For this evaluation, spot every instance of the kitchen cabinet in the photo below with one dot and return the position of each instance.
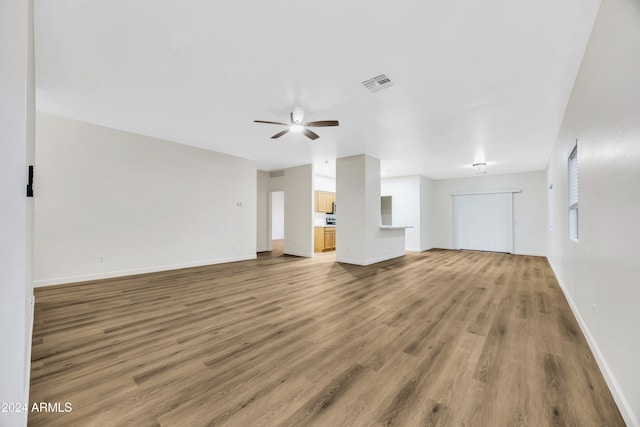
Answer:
(330, 239)
(324, 239)
(324, 201)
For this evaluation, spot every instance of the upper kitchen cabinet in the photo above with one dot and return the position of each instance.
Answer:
(324, 201)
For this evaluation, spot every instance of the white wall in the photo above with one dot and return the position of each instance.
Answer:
(411, 198)
(350, 196)
(16, 211)
(277, 215)
(298, 211)
(529, 208)
(427, 188)
(359, 239)
(297, 184)
(262, 229)
(141, 203)
(603, 267)
(324, 183)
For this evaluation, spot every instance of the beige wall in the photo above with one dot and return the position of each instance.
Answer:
(113, 203)
(529, 208)
(601, 272)
(298, 211)
(359, 239)
(262, 217)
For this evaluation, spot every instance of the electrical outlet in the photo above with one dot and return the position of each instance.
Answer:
(594, 307)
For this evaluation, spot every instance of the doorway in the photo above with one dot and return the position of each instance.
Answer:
(483, 222)
(277, 221)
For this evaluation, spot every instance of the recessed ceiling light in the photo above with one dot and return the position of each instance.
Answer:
(480, 168)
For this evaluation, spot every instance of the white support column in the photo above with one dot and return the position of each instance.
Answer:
(298, 211)
(359, 238)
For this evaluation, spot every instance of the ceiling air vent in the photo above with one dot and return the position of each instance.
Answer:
(378, 83)
(275, 174)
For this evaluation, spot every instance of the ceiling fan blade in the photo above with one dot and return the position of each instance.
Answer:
(309, 134)
(322, 123)
(279, 134)
(271, 123)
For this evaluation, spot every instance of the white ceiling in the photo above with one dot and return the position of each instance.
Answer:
(473, 81)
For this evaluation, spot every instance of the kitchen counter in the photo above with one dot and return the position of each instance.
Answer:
(395, 227)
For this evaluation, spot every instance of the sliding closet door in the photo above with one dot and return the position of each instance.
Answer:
(483, 222)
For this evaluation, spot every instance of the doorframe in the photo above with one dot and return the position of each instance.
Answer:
(454, 241)
(270, 218)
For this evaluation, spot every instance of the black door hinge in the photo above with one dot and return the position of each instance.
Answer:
(30, 182)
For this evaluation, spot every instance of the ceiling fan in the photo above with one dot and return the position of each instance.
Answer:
(296, 125)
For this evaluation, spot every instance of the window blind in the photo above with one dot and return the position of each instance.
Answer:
(483, 222)
(573, 178)
(573, 194)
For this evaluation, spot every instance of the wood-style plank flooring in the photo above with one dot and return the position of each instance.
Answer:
(439, 338)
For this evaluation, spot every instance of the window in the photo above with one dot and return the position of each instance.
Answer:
(573, 193)
(550, 207)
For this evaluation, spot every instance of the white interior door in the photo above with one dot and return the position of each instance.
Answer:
(483, 222)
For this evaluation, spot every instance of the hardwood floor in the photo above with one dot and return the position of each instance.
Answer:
(277, 247)
(432, 339)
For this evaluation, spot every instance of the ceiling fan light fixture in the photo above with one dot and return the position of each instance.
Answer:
(297, 115)
(296, 125)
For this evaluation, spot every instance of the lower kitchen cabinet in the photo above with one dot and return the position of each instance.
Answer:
(324, 239)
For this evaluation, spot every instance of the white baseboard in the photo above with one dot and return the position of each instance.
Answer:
(623, 405)
(32, 303)
(300, 254)
(419, 250)
(514, 252)
(120, 273)
(369, 261)
(530, 254)
(350, 261)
